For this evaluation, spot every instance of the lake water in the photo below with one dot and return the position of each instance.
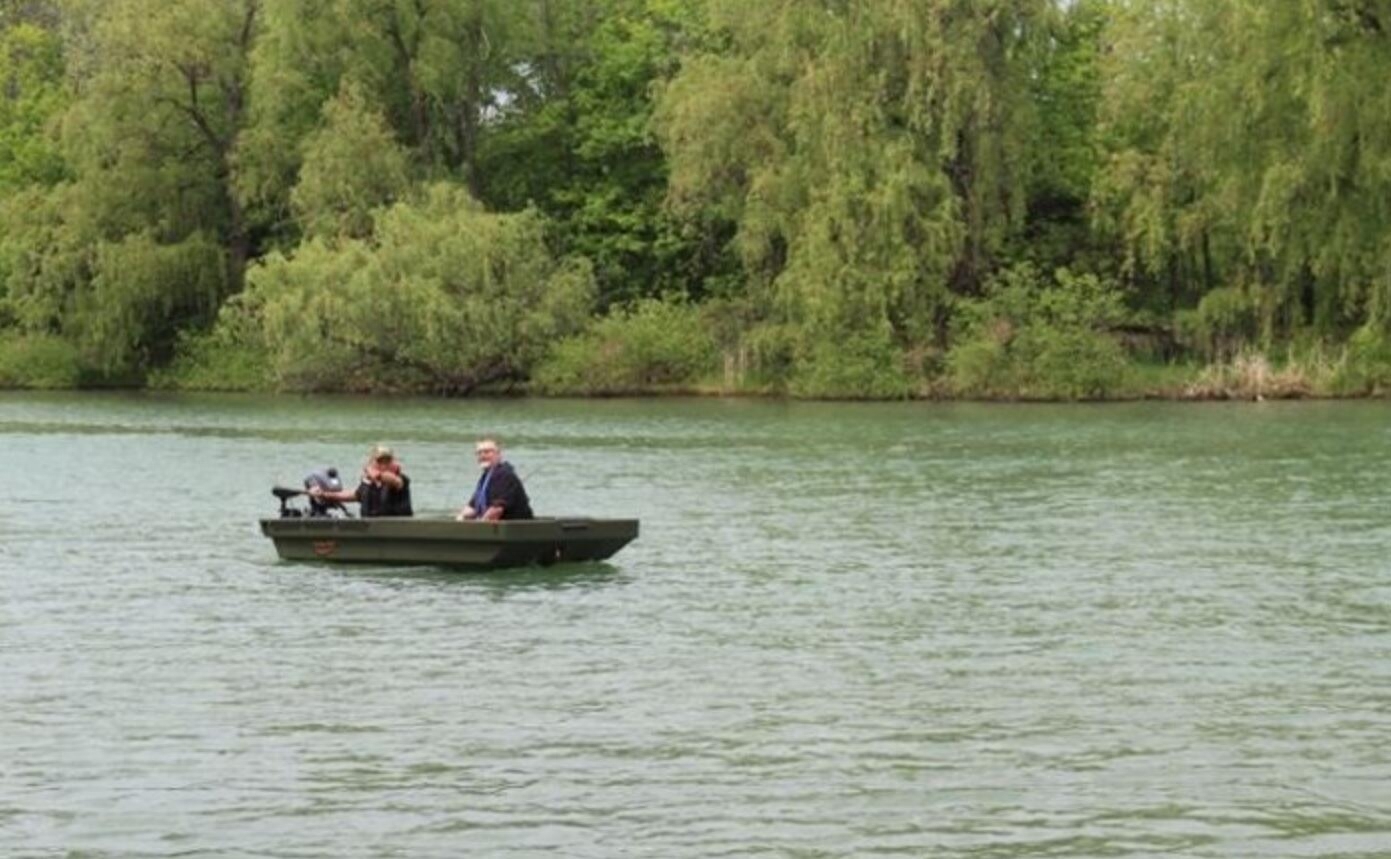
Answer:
(846, 630)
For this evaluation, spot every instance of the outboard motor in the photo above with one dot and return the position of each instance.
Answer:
(328, 481)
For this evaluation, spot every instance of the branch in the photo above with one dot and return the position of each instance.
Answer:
(444, 383)
(192, 110)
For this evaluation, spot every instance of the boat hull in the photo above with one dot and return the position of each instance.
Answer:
(445, 542)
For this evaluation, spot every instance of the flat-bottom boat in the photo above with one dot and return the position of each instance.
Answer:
(445, 542)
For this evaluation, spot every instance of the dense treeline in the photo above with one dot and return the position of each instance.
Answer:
(877, 198)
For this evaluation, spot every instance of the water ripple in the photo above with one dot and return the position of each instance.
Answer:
(880, 630)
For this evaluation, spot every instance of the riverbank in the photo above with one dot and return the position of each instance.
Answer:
(1250, 377)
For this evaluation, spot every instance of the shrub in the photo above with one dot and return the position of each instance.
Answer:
(1034, 338)
(1253, 375)
(39, 361)
(443, 297)
(1224, 321)
(863, 365)
(651, 344)
(1366, 367)
(230, 357)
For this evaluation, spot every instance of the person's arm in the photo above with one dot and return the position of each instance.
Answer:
(331, 495)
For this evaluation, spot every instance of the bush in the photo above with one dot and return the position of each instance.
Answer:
(652, 344)
(231, 357)
(39, 361)
(1366, 366)
(1031, 338)
(1225, 321)
(442, 298)
(855, 366)
(1251, 375)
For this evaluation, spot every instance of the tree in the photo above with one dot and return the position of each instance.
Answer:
(1248, 159)
(31, 95)
(352, 165)
(576, 141)
(872, 154)
(442, 297)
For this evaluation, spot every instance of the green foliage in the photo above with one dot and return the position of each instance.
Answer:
(141, 294)
(1066, 92)
(151, 135)
(1225, 321)
(121, 300)
(1245, 146)
(47, 249)
(830, 189)
(143, 240)
(351, 166)
(1366, 368)
(872, 155)
(444, 297)
(653, 344)
(1028, 337)
(434, 69)
(860, 365)
(576, 142)
(31, 95)
(230, 357)
(39, 361)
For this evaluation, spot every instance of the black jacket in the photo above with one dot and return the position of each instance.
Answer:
(377, 499)
(505, 490)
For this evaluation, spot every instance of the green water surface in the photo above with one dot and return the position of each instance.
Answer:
(846, 630)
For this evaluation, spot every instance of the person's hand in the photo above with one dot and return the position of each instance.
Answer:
(492, 514)
(467, 513)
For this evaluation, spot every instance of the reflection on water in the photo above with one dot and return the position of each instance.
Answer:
(555, 577)
(882, 629)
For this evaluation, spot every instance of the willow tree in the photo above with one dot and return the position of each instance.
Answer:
(145, 237)
(434, 69)
(352, 165)
(440, 297)
(31, 95)
(157, 122)
(873, 157)
(1249, 160)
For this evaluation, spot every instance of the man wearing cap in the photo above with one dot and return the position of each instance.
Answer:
(383, 491)
(499, 493)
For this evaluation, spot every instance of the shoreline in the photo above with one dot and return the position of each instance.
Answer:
(701, 392)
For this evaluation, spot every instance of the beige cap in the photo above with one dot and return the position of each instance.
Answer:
(380, 451)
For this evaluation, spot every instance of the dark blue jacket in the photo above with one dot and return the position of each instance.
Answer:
(504, 490)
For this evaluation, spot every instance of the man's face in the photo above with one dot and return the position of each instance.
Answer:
(487, 454)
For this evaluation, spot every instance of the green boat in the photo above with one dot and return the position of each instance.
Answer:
(445, 542)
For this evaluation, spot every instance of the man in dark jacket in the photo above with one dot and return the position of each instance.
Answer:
(383, 491)
(499, 493)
